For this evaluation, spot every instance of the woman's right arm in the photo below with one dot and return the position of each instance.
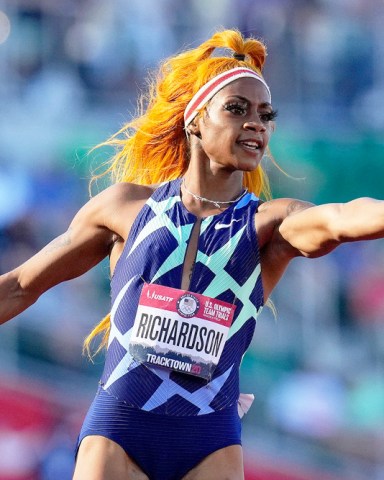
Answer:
(87, 241)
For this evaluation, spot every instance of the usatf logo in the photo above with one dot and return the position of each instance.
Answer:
(187, 305)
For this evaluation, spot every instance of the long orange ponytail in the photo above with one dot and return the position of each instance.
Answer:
(153, 147)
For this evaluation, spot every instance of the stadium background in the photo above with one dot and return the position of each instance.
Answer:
(70, 75)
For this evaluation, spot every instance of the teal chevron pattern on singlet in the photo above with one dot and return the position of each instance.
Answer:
(226, 266)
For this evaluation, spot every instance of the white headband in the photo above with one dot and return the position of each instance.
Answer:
(207, 91)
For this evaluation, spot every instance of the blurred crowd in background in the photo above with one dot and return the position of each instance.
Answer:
(71, 73)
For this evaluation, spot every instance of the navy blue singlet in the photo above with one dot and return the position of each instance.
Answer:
(188, 417)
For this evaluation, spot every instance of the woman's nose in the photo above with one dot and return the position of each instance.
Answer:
(255, 124)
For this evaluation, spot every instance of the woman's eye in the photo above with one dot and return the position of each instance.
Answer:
(236, 108)
(268, 116)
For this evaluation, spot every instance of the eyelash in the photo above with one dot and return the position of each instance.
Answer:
(236, 108)
(270, 116)
(241, 109)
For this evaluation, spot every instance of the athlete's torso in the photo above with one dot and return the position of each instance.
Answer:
(227, 267)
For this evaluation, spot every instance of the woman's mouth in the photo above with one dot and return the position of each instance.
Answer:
(251, 145)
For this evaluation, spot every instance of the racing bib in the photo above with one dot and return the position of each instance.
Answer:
(180, 330)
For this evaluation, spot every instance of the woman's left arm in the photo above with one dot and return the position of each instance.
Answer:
(317, 230)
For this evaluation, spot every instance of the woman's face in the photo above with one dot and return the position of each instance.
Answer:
(235, 129)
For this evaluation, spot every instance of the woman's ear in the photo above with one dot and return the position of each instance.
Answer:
(193, 129)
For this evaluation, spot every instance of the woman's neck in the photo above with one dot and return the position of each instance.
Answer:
(207, 193)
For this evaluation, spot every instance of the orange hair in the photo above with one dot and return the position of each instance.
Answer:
(153, 147)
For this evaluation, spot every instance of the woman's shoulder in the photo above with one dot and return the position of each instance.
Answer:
(125, 191)
(120, 199)
(116, 206)
(120, 195)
